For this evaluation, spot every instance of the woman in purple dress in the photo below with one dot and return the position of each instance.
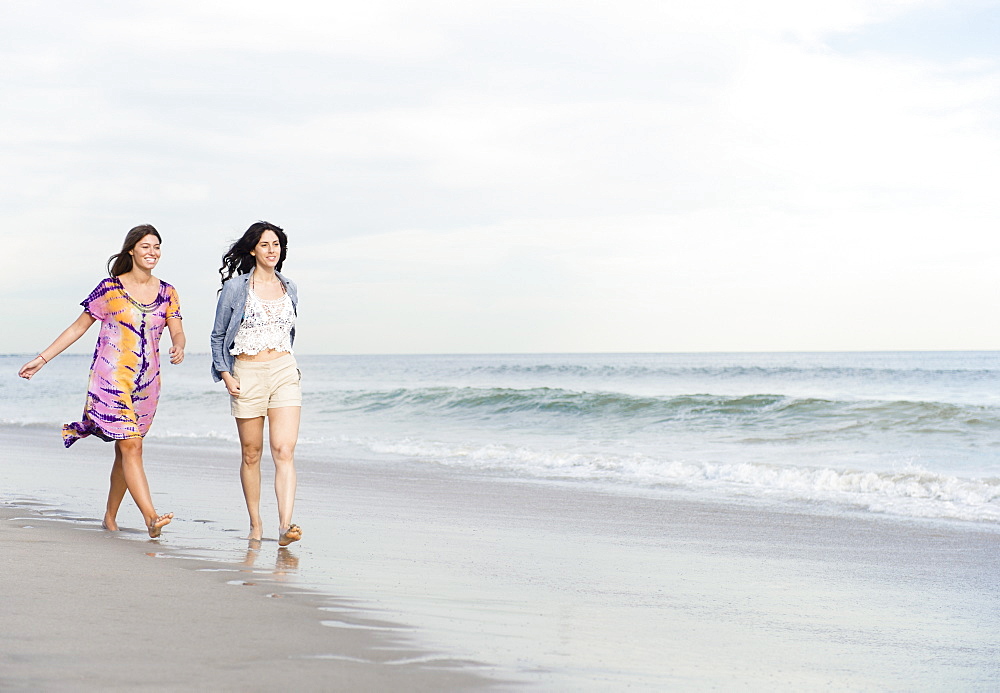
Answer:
(133, 307)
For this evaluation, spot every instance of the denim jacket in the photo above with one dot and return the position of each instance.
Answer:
(229, 317)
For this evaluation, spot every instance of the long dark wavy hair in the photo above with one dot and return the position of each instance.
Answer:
(121, 262)
(239, 260)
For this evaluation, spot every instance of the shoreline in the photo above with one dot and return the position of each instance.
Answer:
(519, 584)
(86, 609)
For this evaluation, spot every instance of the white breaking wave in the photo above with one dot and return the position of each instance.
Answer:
(207, 435)
(913, 434)
(912, 493)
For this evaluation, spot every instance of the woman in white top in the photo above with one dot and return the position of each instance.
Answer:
(252, 353)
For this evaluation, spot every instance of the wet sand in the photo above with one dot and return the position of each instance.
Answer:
(86, 611)
(475, 581)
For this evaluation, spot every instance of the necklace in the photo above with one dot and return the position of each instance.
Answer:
(142, 307)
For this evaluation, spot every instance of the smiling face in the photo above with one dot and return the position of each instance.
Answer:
(146, 253)
(267, 252)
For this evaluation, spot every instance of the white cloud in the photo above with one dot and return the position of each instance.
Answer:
(518, 176)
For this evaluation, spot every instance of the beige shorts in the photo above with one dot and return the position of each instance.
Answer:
(266, 385)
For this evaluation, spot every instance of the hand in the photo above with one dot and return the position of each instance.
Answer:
(232, 384)
(176, 354)
(31, 367)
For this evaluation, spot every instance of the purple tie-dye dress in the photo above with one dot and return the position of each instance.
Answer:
(125, 375)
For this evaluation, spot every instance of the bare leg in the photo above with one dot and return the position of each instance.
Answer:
(116, 493)
(252, 445)
(138, 487)
(284, 434)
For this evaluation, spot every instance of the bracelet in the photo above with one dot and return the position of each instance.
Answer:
(44, 360)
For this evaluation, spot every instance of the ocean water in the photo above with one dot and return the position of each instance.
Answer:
(913, 435)
(527, 514)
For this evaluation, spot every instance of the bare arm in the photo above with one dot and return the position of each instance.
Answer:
(61, 343)
(177, 340)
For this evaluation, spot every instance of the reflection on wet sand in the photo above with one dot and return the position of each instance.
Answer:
(284, 563)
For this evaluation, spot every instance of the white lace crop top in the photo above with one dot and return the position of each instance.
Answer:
(266, 325)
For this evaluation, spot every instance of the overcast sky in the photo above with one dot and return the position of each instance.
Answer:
(543, 176)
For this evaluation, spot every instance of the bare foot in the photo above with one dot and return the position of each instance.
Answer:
(109, 523)
(158, 523)
(256, 534)
(286, 537)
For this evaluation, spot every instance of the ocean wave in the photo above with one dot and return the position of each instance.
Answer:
(31, 425)
(631, 371)
(206, 436)
(912, 492)
(155, 433)
(744, 411)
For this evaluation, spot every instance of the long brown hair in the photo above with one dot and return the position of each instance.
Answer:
(121, 262)
(239, 260)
